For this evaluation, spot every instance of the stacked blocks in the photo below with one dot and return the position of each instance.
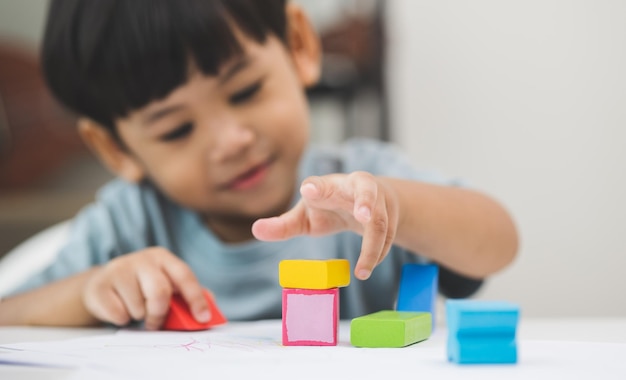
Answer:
(390, 329)
(481, 332)
(311, 300)
(418, 288)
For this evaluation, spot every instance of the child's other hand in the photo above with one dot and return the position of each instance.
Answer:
(358, 201)
(139, 286)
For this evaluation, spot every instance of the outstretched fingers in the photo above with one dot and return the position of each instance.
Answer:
(375, 241)
(290, 224)
(371, 210)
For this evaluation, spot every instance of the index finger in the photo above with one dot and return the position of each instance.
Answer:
(285, 226)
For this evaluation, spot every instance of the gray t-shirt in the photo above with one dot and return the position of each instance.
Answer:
(243, 276)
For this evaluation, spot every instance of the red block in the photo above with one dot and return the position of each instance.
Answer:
(180, 317)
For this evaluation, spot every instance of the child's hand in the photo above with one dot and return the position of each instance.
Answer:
(139, 286)
(358, 201)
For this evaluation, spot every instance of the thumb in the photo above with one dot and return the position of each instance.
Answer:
(290, 224)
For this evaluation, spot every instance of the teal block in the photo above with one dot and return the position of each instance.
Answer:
(390, 328)
(482, 332)
(483, 351)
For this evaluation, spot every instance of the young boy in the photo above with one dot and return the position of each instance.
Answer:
(199, 107)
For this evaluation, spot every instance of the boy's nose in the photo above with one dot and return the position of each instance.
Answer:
(232, 141)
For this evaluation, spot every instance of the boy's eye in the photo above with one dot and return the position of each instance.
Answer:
(245, 94)
(177, 133)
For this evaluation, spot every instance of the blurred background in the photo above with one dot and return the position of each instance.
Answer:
(525, 100)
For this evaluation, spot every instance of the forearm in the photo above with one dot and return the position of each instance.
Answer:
(461, 229)
(57, 304)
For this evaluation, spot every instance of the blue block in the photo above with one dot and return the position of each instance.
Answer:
(482, 332)
(418, 288)
(482, 351)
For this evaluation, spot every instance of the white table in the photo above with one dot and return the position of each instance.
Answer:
(592, 342)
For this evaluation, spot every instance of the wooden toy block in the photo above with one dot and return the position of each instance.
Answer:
(482, 350)
(314, 274)
(310, 317)
(390, 328)
(180, 318)
(482, 332)
(418, 288)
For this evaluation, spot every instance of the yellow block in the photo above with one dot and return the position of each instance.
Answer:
(314, 274)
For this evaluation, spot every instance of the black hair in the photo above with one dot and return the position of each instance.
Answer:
(105, 58)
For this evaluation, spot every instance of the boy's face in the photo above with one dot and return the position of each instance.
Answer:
(227, 146)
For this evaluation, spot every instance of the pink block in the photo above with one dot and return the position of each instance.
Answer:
(310, 317)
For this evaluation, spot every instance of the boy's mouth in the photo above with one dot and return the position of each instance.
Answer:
(250, 178)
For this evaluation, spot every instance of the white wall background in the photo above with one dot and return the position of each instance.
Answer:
(526, 100)
(22, 21)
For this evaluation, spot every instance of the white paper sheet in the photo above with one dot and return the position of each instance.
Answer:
(253, 350)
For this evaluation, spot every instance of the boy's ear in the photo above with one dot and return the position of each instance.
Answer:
(304, 45)
(109, 151)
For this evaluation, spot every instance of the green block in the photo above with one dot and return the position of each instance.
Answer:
(389, 328)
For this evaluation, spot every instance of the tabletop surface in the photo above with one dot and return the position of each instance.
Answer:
(576, 348)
